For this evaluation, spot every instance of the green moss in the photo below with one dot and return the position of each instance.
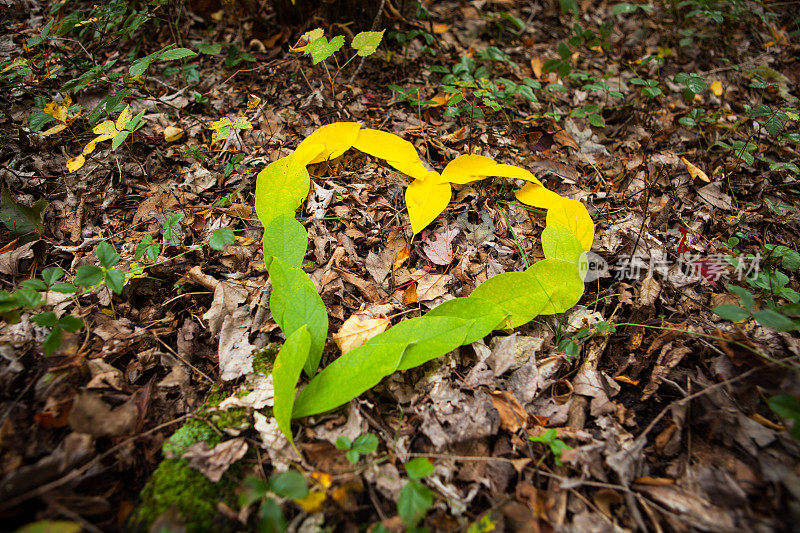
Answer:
(235, 418)
(264, 359)
(193, 431)
(175, 485)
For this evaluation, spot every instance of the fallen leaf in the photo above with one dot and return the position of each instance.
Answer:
(172, 133)
(512, 414)
(90, 414)
(438, 248)
(213, 462)
(356, 331)
(716, 88)
(695, 172)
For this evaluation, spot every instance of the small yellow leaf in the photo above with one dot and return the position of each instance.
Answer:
(538, 196)
(336, 138)
(716, 88)
(356, 331)
(253, 102)
(172, 133)
(573, 215)
(90, 146)
(426, 199)
(324, 479)
(397, 151)
(55, 129)
(75, 163)
(123, 118)
(105, 128)
(313, 502)
(695, 172)
(57, 111)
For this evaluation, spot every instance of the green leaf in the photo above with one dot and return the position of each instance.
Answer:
(176, 53)
(271, 518)
(281, 189)
(53, 341)
(366, 42)
(286, 239)
(25, 222)
(731, 312)
(221, 239)
(70, 323)
(119, 138)
(745, 297)
(290, 484)
(52, 274)
(147, 248)
(351, 374)
(366, 443)
(418, 468)
(596, 120)
(46, 319)
(430, 337)
(35, 284)
(787, 406)
(294, 302)
(773, 319)
(139, 66)
(353, 456)
(51, 526)
(209, 49)
(414, 502)
(321, 49)
(343, 443)
(253, 489)
(27, 298)
(115, 280)
(64, 288)
(107, 255)
(38, 120)
(484, 316)
(168, 230)
(285, 373)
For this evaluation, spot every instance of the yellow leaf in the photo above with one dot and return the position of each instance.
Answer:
(172, 133)
(90, 146)
(324, 479)
(471, 167)
(426, 199)
(397, 151)
(57, 111)
(356, 331)
(537, 195)
(313, 502)
(123, 118)
(574, 216)
(695, 172)
(105, 128)
(253, 102)
(75, 163)
(716, 88)
(55, 129)
(335, 138)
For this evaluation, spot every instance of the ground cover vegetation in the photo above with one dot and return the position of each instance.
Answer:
(437, 266)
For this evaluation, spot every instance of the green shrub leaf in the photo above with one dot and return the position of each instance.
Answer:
(288, 365)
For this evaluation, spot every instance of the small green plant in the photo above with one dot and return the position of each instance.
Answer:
(315, 44)
(556, 445)
(694, 84)
(235, 164)
(290, 485)
(788, 407)
(362, 445)
(415, 498)
(570, 346)
(650, 87)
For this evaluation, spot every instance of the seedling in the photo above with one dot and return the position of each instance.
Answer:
(362, 445)
(557, 446)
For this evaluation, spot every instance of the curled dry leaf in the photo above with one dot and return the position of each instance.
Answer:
(695, 172)
(356, 331)
(172, 133)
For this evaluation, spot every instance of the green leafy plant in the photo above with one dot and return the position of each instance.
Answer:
(650, 87)
(415, 498)
(570, 345)
(362, 445)
(290, 485)
(315, 44)
(694, 84)
(556, 445)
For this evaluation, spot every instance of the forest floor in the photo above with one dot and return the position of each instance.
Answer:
(640, 409)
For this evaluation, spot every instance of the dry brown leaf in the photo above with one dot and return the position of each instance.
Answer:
(356, 331)
(512, 414)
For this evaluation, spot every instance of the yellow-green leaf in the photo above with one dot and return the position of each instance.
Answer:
(55, 129)
(75, 163)
(426, 199)
(573, 215)
(123, 118)
(105, 128)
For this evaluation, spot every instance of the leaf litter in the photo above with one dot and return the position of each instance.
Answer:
(668, 429)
